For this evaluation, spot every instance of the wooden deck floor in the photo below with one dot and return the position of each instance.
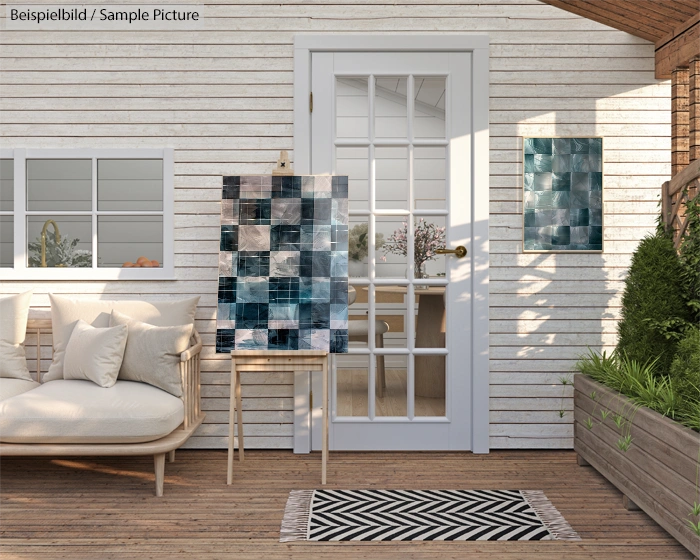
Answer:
(101, 508)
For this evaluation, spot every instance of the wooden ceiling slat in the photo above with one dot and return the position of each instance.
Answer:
(649, 19)
(607, 16)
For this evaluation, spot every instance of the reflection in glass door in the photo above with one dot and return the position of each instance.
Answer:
(389, 132)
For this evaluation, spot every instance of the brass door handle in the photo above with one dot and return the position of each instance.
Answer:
(459, 252)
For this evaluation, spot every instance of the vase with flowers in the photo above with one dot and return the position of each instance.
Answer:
(427, 239)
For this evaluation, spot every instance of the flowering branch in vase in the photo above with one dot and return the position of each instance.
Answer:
(427, 239)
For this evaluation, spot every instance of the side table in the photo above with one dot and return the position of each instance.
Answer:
(273, 360)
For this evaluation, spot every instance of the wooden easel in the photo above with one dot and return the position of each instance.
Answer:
(284, 166)
(273, 360)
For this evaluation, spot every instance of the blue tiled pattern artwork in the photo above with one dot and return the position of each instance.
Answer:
(563, 194)
(283, 264)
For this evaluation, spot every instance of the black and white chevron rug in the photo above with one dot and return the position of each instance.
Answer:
(422, 515)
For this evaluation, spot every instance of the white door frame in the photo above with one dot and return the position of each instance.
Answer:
(478, 46)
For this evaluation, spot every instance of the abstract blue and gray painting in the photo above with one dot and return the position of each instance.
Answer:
(563, 196)
(283, 264)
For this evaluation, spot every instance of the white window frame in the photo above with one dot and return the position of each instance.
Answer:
(21, 271)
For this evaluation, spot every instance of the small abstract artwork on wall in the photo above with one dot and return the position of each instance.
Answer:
(563, 194)
(283, 264)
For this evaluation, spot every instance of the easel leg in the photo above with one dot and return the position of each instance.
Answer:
(324, 451)
(239, 414)
(232, 407)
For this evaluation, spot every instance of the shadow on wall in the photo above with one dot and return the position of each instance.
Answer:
(547, 309)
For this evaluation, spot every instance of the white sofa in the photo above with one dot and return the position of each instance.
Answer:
(78, 417)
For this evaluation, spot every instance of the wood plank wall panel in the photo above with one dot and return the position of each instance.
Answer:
(222, 97)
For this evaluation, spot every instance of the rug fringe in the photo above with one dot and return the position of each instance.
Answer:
(550, 516)
(295, 523)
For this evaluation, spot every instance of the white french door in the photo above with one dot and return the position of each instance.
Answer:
(401, 126)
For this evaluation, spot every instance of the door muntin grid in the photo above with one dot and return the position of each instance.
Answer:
(371, 103)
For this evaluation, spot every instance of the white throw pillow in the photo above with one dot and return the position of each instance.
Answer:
(14, 311)
(65, 312)
(153, 353)
(95, 354)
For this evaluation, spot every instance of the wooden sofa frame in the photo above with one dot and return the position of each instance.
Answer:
(191, 396)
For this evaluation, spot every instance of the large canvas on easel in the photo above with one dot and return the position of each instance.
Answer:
(283, 264)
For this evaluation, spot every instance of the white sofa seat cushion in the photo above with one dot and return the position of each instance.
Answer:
(76, 411)
(11, 387)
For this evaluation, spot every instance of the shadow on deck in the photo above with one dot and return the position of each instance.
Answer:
(106, 508)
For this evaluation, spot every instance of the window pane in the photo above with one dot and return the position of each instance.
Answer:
(59, 184)
(429, 111)
(353, 162)
(352, 108)
(352, 375)
(68, 241)
(130, 184)
(429, 235)
(391, 388)
(7, 185)
(391, 179)
(390, 112)
(7, 246)
(429, 178)
(391, 258)
(124, 241)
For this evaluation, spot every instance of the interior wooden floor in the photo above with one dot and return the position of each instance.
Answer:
(105, 507)
(352, 395)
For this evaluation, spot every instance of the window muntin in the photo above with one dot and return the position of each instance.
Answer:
(7, 201)
(86, 214)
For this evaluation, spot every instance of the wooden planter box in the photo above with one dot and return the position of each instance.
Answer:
(658, 471)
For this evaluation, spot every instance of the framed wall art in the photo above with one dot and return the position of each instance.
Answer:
(283, 264)
(563, 194)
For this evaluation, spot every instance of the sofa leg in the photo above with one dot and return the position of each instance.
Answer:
(171, 456)
(159, 463)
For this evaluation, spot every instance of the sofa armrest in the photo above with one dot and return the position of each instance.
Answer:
(193, 350)
(191, 381)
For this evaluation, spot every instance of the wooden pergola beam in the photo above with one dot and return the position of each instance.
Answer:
(678, 47)
(680, 120)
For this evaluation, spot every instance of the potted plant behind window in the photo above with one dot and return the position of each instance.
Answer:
(358, 249)
(427, 239)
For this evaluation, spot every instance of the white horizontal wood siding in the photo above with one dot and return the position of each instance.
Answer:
(221, 96)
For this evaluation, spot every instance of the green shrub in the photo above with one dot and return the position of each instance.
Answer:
(654, 310)
(690, 257)
(685, 369)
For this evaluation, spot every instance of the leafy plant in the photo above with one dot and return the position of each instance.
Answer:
(59, 254)
(565, 381)
(695, 511)
(689, 253)
(624, 442)
(357, 242)
(685, 368)
(653, 304)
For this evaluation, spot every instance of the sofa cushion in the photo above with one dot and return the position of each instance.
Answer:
(65, 313)
(153, 353)
(10, 387)
(14, 311)
(74, 411)
(95, 354)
